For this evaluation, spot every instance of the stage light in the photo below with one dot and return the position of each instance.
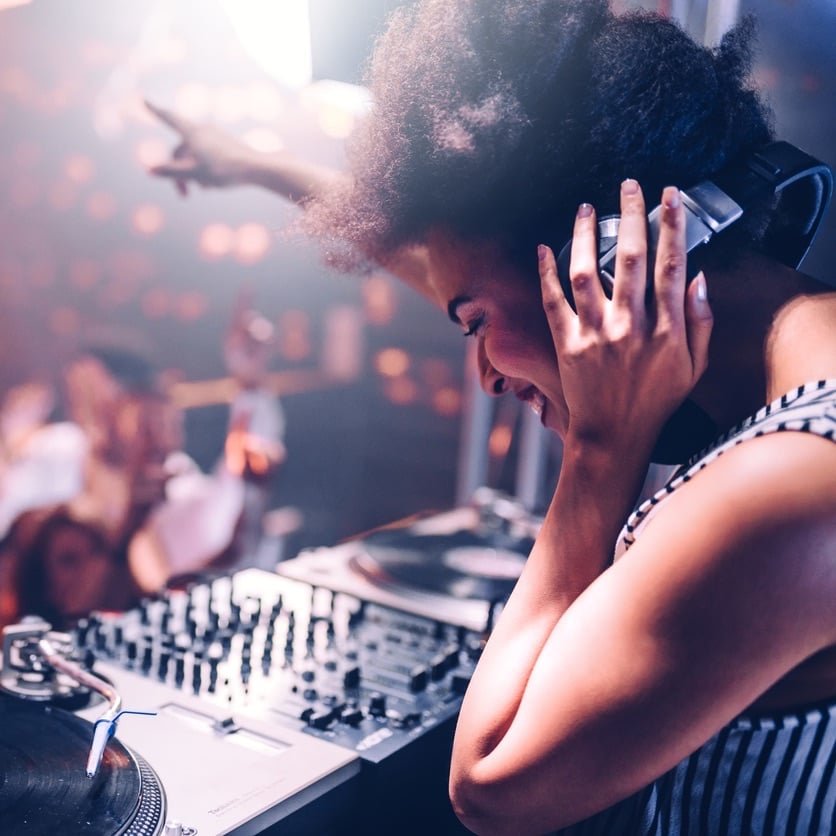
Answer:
(276, 35)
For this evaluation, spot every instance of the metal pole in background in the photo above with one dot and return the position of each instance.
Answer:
(531, 460)
(477, 416)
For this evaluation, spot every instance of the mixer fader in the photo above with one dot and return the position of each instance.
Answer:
(352, 672)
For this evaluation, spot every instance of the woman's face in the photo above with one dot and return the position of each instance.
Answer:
(501, 308)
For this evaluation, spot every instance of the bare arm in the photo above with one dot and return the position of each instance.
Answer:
(611, 432)
(729, 588)
(211, 157)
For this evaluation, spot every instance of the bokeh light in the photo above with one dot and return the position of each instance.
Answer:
(216, 241)
(147, 219)
(392, 362)
(252, 241)
(499, 441)
(402, 391)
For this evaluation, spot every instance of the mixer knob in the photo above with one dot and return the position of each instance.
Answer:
(438, 667)
(351, 716)
(179, 670)
(173, 828)
(196, 676)
(130, 651)
(309, 674)
(459, 683)
(147, 656)
(377, 704)
(351, 678)
(310, 694)
(162, 667)
(418, 679)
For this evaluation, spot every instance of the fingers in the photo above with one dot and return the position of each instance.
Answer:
(669, 270)
(180, 169)
(583, 268)
(557, 308)
(698, 322)
(631, 253)
(173, 120)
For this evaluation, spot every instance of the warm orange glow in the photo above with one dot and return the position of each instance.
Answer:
(147, 219)
(401, 391)
(500, 440)
(251, 243)
(447, 401)
(215, 241)
(391, 362)
(101, 206)
(379, 300)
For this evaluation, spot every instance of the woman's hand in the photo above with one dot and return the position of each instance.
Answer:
(206, 155)
(626, 363)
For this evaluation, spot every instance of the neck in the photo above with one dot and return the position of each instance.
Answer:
(771, 326)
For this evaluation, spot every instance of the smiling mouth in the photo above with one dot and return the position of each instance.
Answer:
(535, 399)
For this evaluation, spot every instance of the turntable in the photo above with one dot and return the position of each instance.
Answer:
(453, 567)
(65, 773)
(43, 785)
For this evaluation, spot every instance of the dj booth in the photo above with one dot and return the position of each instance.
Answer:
(318, 700)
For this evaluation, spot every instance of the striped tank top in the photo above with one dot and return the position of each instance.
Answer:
(763, 774)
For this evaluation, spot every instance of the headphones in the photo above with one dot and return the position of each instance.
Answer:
(803, 184)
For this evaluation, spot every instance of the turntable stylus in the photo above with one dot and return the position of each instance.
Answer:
(105, 726)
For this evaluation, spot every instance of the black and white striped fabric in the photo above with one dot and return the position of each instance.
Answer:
(761, 775)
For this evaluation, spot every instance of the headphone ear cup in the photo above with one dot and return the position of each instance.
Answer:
(607, 236)
(563, 259)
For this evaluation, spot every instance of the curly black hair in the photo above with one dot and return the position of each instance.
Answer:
(494, 119)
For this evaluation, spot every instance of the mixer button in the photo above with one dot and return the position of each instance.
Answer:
(377, 704)
(351, 678)
(418, 679)
(351, 716)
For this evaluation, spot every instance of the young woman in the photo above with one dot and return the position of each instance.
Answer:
(689, 685)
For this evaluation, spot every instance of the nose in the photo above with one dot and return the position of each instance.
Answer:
(492, 381)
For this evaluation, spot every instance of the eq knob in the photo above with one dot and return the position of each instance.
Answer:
(377, 704)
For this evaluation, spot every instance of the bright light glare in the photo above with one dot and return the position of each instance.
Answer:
(276, 34)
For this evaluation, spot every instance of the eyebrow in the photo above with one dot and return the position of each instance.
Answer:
(453, 305)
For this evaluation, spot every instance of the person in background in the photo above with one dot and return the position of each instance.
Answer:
(672, 669)
(106, 506)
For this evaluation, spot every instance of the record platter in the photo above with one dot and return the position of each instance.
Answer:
(453, 566)
(43, 789)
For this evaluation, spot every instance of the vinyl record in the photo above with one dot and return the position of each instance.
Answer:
(464, 564)
(44, 788)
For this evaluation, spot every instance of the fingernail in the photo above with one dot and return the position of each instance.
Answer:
(542, 252)
(702, 288)
(584, 210)
(629, 186)
(671, 198)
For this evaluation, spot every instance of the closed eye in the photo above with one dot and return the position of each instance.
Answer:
(474, 327)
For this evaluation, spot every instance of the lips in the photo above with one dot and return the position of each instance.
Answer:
(534, 398)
